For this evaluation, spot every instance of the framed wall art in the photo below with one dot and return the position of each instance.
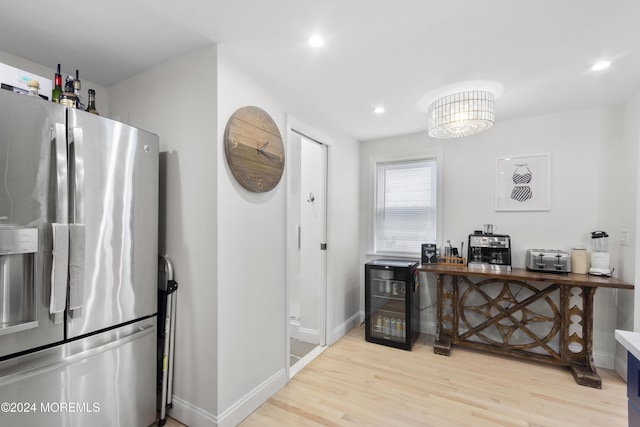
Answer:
(523, 183)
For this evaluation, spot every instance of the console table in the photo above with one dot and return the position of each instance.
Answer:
(540, 316)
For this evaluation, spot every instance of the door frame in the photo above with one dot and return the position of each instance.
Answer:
(301, 128)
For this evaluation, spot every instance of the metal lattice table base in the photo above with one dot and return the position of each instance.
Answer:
(543, 318)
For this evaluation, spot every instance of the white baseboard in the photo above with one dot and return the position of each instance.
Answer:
(294, 328)
(252, 400)
(604, 360)
(303, 334)
(297, 367)
(309, 335)
(620, 366)
(427, 328)
(193, 416)
(346, 326)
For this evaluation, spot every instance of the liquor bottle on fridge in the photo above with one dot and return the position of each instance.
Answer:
(77, 86)
(91, 107)
(57, 86)
(391, 303)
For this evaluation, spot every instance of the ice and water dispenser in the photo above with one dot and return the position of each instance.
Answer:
(18, 248)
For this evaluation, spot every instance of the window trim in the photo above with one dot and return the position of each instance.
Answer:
(374, 161)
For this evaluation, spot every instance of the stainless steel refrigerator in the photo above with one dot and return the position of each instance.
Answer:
(78, 267)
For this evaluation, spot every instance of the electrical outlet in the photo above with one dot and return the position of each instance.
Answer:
(624, 237)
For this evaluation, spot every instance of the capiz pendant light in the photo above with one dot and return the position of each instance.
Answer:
(461, 114)
(461, 109)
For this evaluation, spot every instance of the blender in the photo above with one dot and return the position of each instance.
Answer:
(600, 262)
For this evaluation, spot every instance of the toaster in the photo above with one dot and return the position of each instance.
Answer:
(548, 260)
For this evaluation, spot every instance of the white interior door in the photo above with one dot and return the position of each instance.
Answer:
(306, 222)
(312, 241)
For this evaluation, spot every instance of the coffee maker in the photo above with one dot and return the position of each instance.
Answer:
(488, 251)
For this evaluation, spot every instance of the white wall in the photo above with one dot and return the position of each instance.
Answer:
(343, 258)
(628, 167)
(228, 245)
(252, 251)
(164, 101)
(584, 147)
(251, 274)
(630, 211)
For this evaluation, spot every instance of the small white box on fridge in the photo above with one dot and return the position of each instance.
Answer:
(17, 80)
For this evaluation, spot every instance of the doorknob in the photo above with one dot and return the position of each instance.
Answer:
(311, 198)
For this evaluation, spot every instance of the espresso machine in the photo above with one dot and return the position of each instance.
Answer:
(488, 251)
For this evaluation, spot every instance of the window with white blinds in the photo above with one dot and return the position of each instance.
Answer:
(405, 208)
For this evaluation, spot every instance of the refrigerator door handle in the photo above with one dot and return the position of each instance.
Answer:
(62, 184)
(76, 268)
(60, 228)
(77, 227)
(77, 147)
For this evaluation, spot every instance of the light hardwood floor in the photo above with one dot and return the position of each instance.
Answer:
(359, 383)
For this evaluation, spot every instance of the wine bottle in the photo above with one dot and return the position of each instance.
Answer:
(57, 88)
(91, 107)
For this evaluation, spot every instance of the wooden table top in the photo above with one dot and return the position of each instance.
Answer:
(572, 279)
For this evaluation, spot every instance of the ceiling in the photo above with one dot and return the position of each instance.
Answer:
(376, 52)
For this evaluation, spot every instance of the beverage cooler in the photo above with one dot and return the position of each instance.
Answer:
(391, 303)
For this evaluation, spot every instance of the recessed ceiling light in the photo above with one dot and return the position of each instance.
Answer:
(378, 110)
(601, 65)
(316, 41)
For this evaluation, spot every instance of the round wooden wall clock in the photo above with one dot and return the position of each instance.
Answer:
(254, 149)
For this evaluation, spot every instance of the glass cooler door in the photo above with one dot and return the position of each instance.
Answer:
(387, 303)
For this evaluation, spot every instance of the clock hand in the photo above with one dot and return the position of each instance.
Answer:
(261, 149)
(266, 154)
